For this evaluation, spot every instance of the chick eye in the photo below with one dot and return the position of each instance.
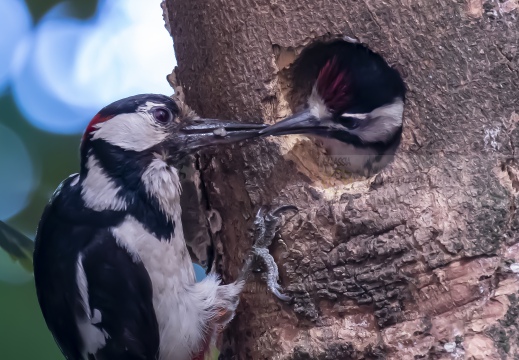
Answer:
(162, 115)
(349, 122)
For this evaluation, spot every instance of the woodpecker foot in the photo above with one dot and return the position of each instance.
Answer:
(266, 225)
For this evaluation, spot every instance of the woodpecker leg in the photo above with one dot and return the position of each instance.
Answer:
(227, 297)
(266, 225)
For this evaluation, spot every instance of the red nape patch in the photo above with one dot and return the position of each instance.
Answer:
(333, 85)
(96, 120)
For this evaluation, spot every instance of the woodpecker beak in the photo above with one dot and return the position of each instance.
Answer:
(201, 133)
(303, 122)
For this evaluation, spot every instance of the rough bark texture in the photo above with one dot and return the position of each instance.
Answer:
(420, 261)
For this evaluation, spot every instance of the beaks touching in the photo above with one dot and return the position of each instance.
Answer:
(201, 133)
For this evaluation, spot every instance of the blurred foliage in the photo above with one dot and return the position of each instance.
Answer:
(23, 333)
(55, 157)
(81, 9)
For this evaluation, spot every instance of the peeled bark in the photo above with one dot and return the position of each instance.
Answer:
(419, 261)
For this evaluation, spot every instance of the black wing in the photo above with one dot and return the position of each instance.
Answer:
(118, 287)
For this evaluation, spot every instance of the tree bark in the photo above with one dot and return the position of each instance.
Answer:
(419, 261)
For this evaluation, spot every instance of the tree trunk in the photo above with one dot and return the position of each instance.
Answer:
(419, 261)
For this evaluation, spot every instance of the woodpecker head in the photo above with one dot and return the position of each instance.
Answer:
(142, 125)
(355, 107)
(133, 148)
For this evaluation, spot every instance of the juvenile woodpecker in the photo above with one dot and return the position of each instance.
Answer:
(113, 276)
(355, 109)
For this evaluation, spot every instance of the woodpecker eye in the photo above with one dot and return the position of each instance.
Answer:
(162, 115)
(348, 122)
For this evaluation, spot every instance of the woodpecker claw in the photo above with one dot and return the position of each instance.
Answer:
(272, 273)
(266, 225)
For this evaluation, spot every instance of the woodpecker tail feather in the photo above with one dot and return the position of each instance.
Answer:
(18, 246)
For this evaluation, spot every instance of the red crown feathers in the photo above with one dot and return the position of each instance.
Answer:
(91, 125)
(333, 86)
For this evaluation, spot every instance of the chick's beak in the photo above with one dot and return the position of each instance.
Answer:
(303, 122)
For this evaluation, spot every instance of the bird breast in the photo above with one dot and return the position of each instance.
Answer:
(171, 272)
(364, 161)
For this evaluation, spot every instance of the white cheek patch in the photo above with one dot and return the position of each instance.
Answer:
(393, 112)
(383, 123)
(135, 131)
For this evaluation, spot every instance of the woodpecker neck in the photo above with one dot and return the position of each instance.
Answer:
(98, 190)
(161, 182)
(140, 184)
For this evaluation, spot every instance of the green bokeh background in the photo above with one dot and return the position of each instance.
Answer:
(23, 334)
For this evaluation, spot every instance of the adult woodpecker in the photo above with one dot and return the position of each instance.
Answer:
(355, 109)
(113, 276)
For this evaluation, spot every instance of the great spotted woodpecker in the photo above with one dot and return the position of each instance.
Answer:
(355, 108)
(113, 276)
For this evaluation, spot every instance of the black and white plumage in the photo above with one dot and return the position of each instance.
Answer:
(355, 108)
(113, 275)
